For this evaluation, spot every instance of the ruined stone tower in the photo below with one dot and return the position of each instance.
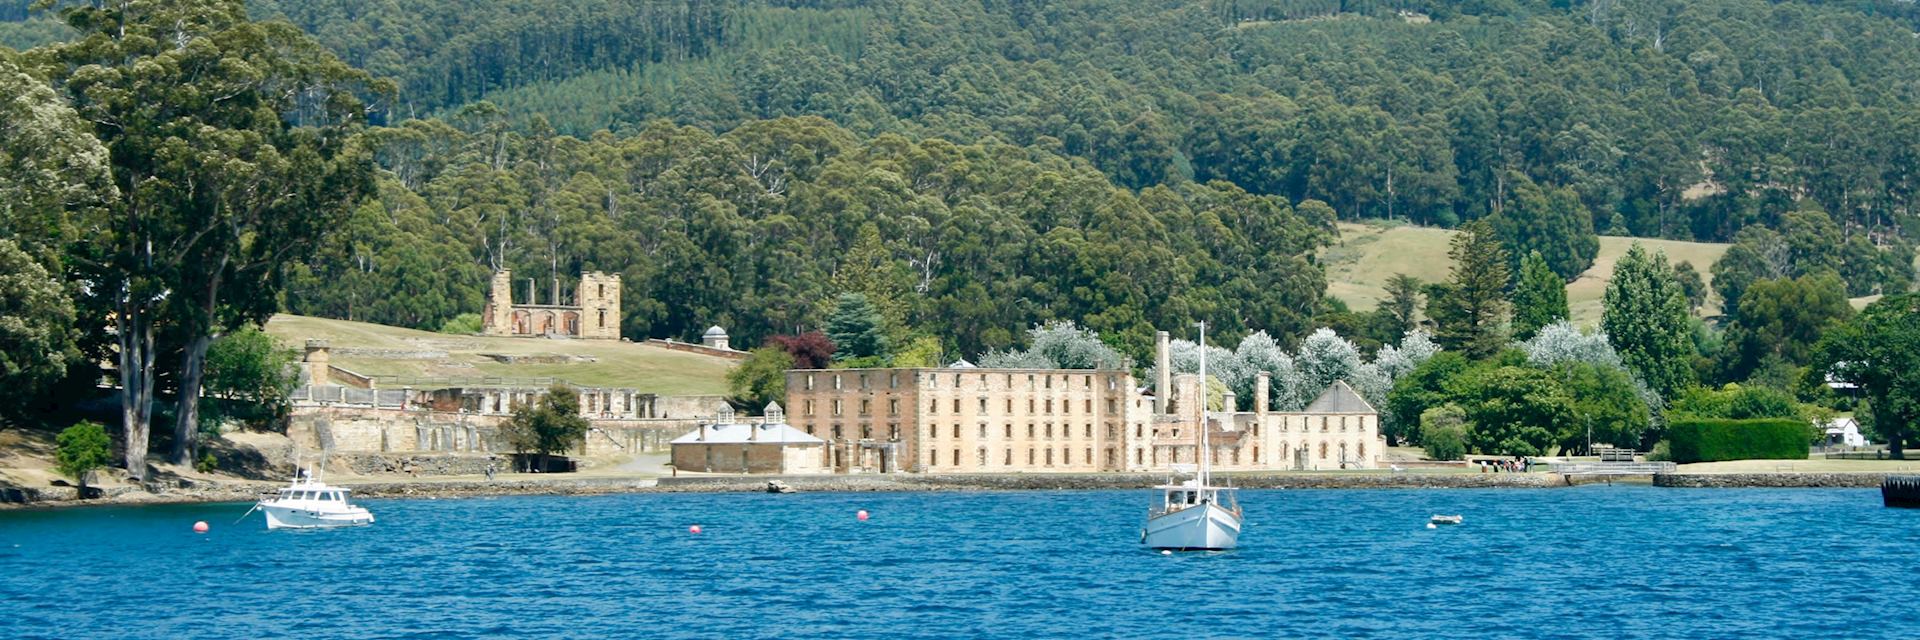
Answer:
(497, 320)
(599, 300)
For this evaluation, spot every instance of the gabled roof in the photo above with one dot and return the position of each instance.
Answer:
(1339, 398)
(763, 433)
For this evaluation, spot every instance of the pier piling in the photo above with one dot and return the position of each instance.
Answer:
(1901, 491)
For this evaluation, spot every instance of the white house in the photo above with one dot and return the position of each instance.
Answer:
(1844, 432)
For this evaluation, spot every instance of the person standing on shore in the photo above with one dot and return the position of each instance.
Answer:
(489, 471)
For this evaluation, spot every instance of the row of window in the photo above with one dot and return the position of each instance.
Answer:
(1233, 457)
(1035, 457)
(1033, 405)
(933, 406)
(1034, 381)
(1046, 430)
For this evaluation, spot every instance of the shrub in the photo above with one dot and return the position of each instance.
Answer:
(207, 463)
(1712, 440)
(463, 324)
(80, 449)
(1443, 431)
(1662, 452)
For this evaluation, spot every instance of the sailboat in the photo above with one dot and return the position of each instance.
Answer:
(1195, 515)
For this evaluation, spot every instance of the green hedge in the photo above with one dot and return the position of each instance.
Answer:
(1712, 440)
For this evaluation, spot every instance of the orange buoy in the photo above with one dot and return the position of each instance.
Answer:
(200, 527)
(862, 515)
(693, 529)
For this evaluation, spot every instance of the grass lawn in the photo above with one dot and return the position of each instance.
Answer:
(419, 354)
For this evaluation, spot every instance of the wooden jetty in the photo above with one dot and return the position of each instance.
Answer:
(1901, 491)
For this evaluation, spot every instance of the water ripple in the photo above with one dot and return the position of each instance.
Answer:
(1595, 562)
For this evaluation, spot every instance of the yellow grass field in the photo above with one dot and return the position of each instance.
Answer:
(1367, 254)
(372, 349)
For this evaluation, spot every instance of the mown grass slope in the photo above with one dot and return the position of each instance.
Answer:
(1367, 254)
(380, 350)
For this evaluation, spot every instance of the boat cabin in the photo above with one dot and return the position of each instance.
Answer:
(327, 494)
(1177, 497)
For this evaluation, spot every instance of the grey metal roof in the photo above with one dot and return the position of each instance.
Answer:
(766, 433)
(1339, 398)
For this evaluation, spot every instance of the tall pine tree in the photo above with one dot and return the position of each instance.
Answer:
(1403, 303)
(1646, 320)
(856, 331)
(1539, 298)
(1468, 310)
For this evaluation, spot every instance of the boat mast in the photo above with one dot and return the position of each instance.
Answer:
(1202, 450)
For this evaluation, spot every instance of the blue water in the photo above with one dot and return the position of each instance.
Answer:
(1595, 562)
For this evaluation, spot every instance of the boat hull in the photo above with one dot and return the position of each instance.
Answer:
(1205, 527)
(282, 517)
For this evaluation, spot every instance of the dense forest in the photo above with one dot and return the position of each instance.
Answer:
(1667, 118)
(971, 170)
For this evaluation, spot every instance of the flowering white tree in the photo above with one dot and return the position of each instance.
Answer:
(1058, 345)
(1016, 359)
(1323, 358)
(1260, 352)
(1415, 348)
(1562, 342)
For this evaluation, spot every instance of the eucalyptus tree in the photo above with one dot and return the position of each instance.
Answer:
(232, 146)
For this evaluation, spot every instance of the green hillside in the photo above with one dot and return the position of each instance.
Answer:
(380, 350)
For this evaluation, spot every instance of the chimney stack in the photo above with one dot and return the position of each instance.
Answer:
(1162, 372)
(1262, 392)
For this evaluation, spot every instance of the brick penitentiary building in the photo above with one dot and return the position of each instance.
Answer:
(965, 419)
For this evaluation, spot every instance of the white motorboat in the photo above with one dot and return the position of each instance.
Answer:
(1440, 519)
(308, 503)
(1195, 515)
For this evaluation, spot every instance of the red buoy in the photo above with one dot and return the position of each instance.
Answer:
(862, 515)
(200, 527)
(693, 529)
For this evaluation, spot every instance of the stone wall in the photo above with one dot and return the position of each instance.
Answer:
(1795, 480)
(688, 407)
(368, 430)
(673, 345)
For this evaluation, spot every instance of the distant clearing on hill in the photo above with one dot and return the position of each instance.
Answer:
(1367, 254)
(380, 350)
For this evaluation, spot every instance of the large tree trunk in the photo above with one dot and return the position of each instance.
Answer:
(135, 336)
(187, 425)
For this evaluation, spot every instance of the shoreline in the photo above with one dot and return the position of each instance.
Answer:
(376, 489)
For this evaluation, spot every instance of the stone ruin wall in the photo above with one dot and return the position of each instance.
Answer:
(369, 430)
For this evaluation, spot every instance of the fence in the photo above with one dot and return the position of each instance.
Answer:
(423, 382)
(350, 396)
(1614, 468)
